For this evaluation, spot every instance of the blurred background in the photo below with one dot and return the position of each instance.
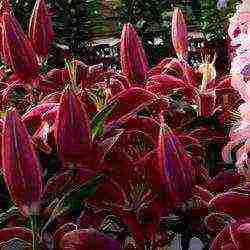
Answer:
(90, 29)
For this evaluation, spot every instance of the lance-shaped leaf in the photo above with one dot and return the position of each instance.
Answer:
(72, 128)
(40, 28)
(21, 169)
(179, 34)
(175, 165)
(72, 200)
(17, 50)
(133, 59)
(98, 120)
(86, 239)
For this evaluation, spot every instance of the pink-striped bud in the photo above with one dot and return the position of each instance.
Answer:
(133, 58)
(179, 34)
(41, 32)
(175, 165)
(17, 50)
(72, 128)
(21, 169)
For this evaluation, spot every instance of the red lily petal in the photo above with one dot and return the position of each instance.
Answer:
(60, 232)
(86, 239)
(225, 180)
(232, 203)
(127, 101)
(158, 68)
(15, 232)
(33, 118)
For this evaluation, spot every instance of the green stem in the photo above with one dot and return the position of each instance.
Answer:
(35, 243)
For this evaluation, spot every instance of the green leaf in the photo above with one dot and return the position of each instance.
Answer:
(98, 120)
(73, 199)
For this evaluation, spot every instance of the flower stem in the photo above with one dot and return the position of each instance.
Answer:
(35, 243)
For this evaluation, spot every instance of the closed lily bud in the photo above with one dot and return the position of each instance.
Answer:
(72, 128)
(175, 164)
(133, 58)
(41, 32)
(17, 50)
(21, 170)
(179, 34)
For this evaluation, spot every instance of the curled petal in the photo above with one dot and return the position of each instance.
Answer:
(33, 117)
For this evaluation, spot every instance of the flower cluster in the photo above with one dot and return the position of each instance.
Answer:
(106, 160)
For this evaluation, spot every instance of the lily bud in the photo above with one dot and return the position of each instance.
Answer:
(179, 34)
(175, 164)
(17, 50)
(133, 58)
(41, 32)
(72, 128)
(21, 169)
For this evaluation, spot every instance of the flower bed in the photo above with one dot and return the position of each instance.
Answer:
(92, 158)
